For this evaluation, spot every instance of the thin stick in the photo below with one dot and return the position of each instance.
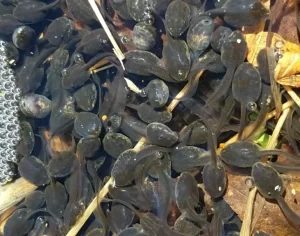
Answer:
(90, 209)
(116, 48)
(132, 86)
(273, 140)
(246, 226)
(102, 68)
(181, 94)
(293, 95)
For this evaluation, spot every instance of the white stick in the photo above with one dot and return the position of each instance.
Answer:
(116, 48)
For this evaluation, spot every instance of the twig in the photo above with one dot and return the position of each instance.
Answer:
(14, 192)
(5, 216)
(102, 68)
(132, 86)
(90, 209)
(116, 48)
(181, 94)
(293, 95)
(273, 140)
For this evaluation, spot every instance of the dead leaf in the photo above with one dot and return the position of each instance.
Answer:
(271, 220)
(285, 23)
(257, 42)
(287, 67)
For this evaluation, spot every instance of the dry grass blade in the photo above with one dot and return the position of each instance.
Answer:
(116, 48)
(246, 227)
(181, 94)
(293, 95)
(101, 69)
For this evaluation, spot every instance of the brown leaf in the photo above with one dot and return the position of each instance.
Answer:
(257, 42)
(288, 66)
(271, 220)
(285, 20)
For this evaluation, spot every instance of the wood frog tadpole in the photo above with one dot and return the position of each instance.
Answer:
(239, 13)
(177, 58)
(18, 224)
(270, 184)
(87, 123)
(245, 153)
(233, 53)
(35, 200)
(177, 18)
(149, 115)
(119, 217)
(81, 10)
(132, 127)
(59, 31)
(214, 175)
(8, 24)
(146, 63)
(32, 11)
(187, 197)
(189, 158)
(34, 170)
(246, 89)
(78, 74)
(157, 92)
(219, 36)
(31, 74)
(199, 34)
(160, 134)
(61, 165)
(56, 199)
(116, 143)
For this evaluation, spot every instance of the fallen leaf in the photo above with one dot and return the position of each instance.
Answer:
(271, 220)
(286, 69)
(257, 42)
(285, 23)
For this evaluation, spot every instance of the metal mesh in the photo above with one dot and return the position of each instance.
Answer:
(9, 118)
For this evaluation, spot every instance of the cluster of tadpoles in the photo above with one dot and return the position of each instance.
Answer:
(158, 178)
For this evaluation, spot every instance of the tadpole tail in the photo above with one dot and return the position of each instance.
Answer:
(275, 87)
(291, 215)
(289, 131)
(243, 121)
(283, 168)
(222, 87)
(212, 142)
(99, 214)
(260, 121)
(289, 156)
(226, 113)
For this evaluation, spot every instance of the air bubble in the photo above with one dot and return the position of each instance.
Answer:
(251, 106)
